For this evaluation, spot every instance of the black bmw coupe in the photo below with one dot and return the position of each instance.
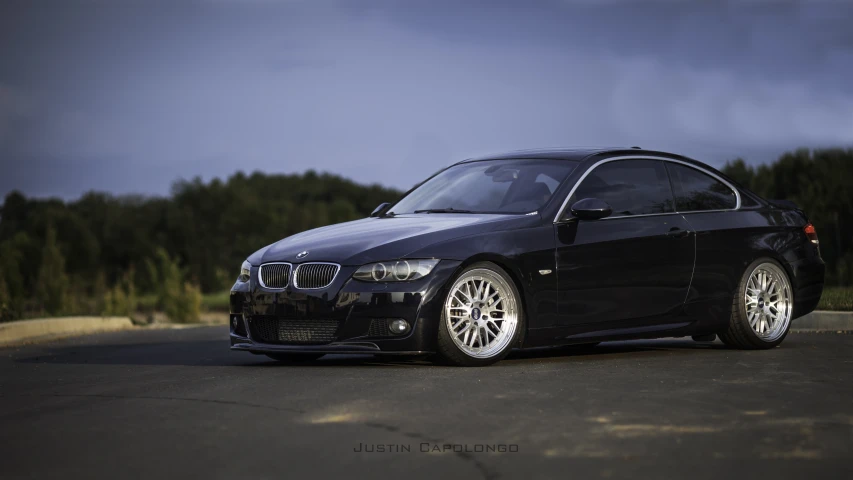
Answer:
(536, 248)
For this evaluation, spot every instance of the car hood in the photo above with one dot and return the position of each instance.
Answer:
(385, 238)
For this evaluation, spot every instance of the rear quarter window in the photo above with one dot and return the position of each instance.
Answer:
(698, 191)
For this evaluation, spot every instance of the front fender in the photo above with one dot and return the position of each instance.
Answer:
(527, 254)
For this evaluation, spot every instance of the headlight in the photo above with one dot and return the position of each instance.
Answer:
(245, 271)
(395, 271)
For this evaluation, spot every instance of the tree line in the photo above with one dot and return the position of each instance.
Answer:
(98, 253)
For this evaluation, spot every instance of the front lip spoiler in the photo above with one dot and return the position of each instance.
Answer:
(331, 348)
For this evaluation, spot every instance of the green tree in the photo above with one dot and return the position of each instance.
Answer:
(121, 299)
(12, 280)
(740, 172)
(186, 306)
(844, 270)
(12, 254)
(5, 302)
(52, 281)
(180, 300)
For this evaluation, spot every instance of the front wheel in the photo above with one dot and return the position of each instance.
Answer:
(762, 307)
(482, 318)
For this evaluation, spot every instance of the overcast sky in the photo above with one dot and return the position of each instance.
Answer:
(127, 96)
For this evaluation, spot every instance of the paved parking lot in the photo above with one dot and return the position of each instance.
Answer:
(168, 403)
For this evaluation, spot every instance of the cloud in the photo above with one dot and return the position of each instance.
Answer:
(390, 92)
(16, 106)
(785, 40)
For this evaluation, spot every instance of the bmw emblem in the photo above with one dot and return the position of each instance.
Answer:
(302, 254)
(475, 314)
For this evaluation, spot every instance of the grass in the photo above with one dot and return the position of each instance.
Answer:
(836, 298)
(210, 302)
(216, 302)
(147, 302)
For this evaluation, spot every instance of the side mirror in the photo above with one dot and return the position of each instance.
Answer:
(380, 210)
(591, 209)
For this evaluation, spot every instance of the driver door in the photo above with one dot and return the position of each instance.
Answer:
(633, 267)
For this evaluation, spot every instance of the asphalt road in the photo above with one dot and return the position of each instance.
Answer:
(178, 403)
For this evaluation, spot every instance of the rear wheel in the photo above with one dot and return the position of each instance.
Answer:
(294, 357)
(482, 318)
(762, 307)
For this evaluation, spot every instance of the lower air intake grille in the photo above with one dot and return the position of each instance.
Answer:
(294, 332)
(274, 275)
(379, 328)
(315, 275)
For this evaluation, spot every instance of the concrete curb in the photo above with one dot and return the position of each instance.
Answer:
(26, 331)
(824, 320)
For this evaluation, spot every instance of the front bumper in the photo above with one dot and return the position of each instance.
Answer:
(353, 305)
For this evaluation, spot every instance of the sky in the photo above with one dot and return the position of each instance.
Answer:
(128, 96)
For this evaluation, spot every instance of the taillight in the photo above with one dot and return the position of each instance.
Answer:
(811, 233)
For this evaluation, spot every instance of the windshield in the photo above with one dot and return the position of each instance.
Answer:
(490, 186)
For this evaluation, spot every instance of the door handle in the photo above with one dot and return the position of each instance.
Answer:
(676, 232)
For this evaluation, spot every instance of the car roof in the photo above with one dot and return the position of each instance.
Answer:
(568, 153)
(579, 154)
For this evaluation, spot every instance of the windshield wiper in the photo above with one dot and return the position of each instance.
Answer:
(443, 210)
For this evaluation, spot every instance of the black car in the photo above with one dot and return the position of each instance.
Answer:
(536, 248)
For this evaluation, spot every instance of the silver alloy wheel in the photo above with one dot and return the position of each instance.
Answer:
(481, 312)
(768, 301)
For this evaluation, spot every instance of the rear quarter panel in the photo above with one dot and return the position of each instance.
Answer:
(727, 242)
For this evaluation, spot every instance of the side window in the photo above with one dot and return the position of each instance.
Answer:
(631, 187)
(697, 191)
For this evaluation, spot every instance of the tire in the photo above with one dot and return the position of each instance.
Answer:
(752, 325)
(294, 357)
(482, 299)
